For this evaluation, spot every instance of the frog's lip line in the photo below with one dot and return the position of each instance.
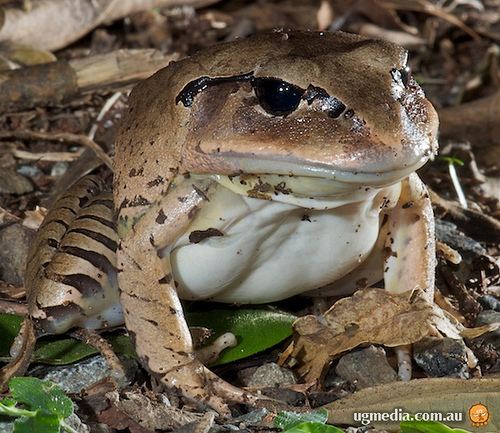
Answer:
(323, 171)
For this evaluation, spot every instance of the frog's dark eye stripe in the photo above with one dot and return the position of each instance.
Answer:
(191, 89)
(276, 97)
(330, 104)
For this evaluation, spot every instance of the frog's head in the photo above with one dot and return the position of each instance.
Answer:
(327, 105)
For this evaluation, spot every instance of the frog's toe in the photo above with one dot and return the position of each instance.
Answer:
(403, 354)
(198, 383)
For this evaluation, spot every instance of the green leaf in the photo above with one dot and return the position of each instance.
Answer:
(256, 330)
(9, 328)
(61, 351)
(9, 402)
(41, 394)
(285, 420)
(428, 427)
(122, 345)
(56, 351)
(41, 423)
(314, 427)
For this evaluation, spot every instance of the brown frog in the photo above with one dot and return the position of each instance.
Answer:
(250, 172)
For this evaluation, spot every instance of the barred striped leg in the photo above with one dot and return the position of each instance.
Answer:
(71, 272)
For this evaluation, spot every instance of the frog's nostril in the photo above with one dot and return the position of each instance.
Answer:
(405, 75)
(401, 76)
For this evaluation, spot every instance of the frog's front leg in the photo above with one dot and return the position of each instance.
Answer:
(152, 309)
(409, 253)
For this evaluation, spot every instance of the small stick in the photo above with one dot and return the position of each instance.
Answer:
(55, 83)
(13, 307)
(67, 137)
(456, 184)
(92, 338)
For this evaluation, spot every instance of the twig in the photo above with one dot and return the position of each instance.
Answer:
(431, 9)
(23, 346)
(11, 307)
(47, 156)
(456, 184)
(67, 137)
(92, 338)
(106, 107)
(57, 82)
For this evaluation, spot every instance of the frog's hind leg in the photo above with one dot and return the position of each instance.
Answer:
(71, 269)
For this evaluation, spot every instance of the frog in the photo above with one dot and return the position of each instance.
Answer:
(254, 170)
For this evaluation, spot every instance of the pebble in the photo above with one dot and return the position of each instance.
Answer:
(289, 396)
(12, 182)
(489, 302)
(270, 375)
(449, 234)
(15, 240)
(365, 368)
(487, 317)
(76, 377)
(440, 357)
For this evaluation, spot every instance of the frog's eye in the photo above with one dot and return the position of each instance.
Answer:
(277, 97)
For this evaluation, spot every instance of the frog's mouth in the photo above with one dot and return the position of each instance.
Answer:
(324, 176)
(302, 191)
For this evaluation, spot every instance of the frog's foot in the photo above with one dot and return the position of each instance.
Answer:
(196, 382)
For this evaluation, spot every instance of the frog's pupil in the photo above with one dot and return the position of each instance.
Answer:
(277, 97)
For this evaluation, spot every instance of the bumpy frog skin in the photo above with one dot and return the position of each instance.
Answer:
(221, 194)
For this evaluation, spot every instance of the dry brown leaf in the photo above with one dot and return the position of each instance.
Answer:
(478, 122)
(35, 28)
(7, 217)
(34, 218)
(421, 395)
(369, 316)
(149, 413)
(427, 7)
(11, 182)
(398, 37)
